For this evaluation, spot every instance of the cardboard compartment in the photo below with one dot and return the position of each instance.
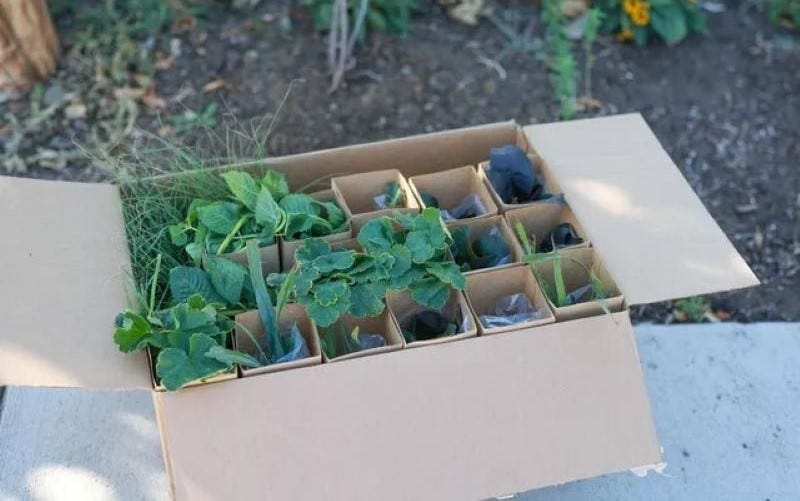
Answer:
(383, 325)
(356, 194)
(574, 266)
(539, 167)
(270, 258)
(250, 321)
(540, 219)
(484, 290)
(403, 308)
(480, 227)
(453, 187)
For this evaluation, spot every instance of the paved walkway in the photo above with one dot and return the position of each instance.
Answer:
(726, 401)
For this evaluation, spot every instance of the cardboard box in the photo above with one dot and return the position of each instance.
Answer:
(250, 321)
(452, 187)
(484, 290)
(565, 400)
(478, 227)
(574, 266)
(540, 219)
(355, 193)
(402, 306)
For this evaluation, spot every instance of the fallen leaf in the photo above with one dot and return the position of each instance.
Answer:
(152, 101)
(216, 84)
(590, 103)
(467, 11)
(185, 22)
(129, 92)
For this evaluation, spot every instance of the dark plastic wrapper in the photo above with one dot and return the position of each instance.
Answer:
(513, 176)
(559, 237)
(510, 310)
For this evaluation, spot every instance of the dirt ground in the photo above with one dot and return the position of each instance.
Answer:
(725, 107)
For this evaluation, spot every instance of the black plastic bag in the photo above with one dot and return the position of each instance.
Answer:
(561, 236)
(513, 176)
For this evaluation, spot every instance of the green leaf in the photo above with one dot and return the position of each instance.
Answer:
(175, 367)
(276, 183)
(448, 273)
(219, 217)
(402, 260)
(299, 203)
(670, 23)
(328, 293)
(337, 260)
(266, 310)
(377, 235)
(430, 293)
(185, 281)
(366, 300)
(132, 332)
(227, 277)
(243, 187)
(178, 234)
(268, 214)
(230, 357)
(311, 249)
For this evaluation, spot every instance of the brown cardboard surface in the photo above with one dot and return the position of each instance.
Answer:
(62, 282)
(653, 232)
(566, 402)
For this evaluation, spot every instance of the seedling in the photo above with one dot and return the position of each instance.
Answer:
(391, 198)
(337, 341)
(485, 251)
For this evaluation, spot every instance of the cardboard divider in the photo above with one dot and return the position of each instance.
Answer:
(485, 289)
(270, 257)
(401, 306)
(288, 247)
(451, 187)
(575, 276)
(481, 226)
(539, 219)
(152, 356)
(292, 313)
(539, 168)
(355, 194)
(382, 324)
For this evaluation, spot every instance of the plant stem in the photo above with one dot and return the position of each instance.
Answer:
(153, 284)
(229, 237)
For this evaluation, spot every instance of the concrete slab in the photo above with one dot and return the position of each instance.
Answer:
(725, 398)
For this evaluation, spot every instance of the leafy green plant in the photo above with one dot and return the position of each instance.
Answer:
(260, 209)
(191, 120)
(400, 252)
(694, 309)
(392, 197)
(563, 72)
(640, 20)
(485, 251)
(338, 340)
(556, 290)
(190, 337)
(392, 16)
(594, 19)
(784, 11)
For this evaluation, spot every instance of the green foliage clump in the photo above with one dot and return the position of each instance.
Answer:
(784, 10)
(390, 16)
(641, 20)
(563, 69)
(402, 252)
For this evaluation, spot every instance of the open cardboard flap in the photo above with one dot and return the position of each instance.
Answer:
(478, 418)
(653, 232)
(62, 283)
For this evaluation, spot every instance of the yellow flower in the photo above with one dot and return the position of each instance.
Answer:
(625, 35)
(641, 14)
(630, 5)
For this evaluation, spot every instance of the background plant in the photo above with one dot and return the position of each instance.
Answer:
(784, 11)
(641, 20)
(563, 72)
(392, 16)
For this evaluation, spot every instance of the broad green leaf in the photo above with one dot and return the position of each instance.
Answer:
(420, 246)
(448, 273)
(430, 292)
(669, 22)
(132, 332)
(178, 234)
(268, 214)
(176, 367)
(276, 183)
(400, 282)
(299, 203)
(185, 281)
(311, 249)
(377, 235)
(337, 260)
(243, 187)
(297, 225)
(219, 217)
(305, 280)
(230, 357)
(366, 300)
(328, 293)
(227, 277)
(324, 316)
(266, 309)
(335, 215)
(402, 260)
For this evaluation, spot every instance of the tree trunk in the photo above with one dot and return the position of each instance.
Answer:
(28, 44)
